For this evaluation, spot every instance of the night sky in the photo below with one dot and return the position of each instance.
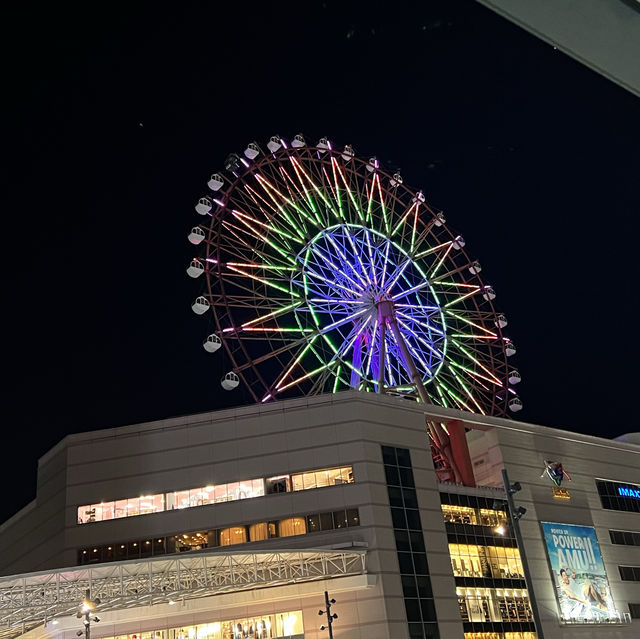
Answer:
(116, 118)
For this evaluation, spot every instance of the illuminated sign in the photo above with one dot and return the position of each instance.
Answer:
(578, 573)
(617, 495)
(561, 493)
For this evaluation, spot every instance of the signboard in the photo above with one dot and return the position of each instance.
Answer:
(578, 573)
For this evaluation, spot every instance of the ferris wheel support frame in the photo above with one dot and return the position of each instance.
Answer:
(456, 456)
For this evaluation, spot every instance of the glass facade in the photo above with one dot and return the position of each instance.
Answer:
(412, 557)
(282, 625)
(625, 537)
(493, 604)
(499, 635)
(487, 567)
(619, 496)
(629, 573)
(493, 562)
(230, 536)
(205, 495)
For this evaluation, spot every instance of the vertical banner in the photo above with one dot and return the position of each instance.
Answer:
(578, 572)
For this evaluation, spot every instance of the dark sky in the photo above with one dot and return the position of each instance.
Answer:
(116, 117)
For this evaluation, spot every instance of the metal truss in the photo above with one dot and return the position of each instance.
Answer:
(28, 600)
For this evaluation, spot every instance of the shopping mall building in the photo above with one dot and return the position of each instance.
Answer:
(234, 524)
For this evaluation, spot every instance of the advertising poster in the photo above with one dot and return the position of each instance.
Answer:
(580, 579)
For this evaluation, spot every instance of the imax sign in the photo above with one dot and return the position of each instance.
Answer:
(629, 492)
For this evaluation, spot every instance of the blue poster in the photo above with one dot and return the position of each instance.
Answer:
(580, 579)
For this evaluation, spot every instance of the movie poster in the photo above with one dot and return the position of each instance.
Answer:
(580, 579)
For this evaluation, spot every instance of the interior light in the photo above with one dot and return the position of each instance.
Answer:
(500, 529)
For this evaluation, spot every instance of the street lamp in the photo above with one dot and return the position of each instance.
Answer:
(330, 617)
(85, 613)
(515, 514)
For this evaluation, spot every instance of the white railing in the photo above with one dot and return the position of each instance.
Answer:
(31, 599)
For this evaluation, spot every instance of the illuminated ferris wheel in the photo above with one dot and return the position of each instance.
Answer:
(324, 272)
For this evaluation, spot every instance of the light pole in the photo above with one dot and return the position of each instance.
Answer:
(515, 514)
(330, 617)
(85, 613)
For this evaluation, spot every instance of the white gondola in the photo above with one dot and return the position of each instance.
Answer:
(274, 143)
(372, 164)
(509, 349)
(230, 381)
(418, 197)
(298, 141)
(396, 179)
(489, 294)
(347, 153)
(201, 305)
(475, 268)
(501, 321)
(439, 219)
(252, 151)
(216, 182)
(515, 404)
(204, 205)
(212, 343)
(458, 243)
(323, 143)
(195, 268)
(196, 235)
(514, 377)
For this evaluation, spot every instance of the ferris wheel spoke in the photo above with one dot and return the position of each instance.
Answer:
(461, 298)
(476, 361)
(438, 353)
(480, 379)
(354, 202)
(316, 189)
(432, 350)
(397, 274)
(440, 262)
(467, 321)
(320, 221)
(273, 211)
(326, 259)
(266, 282)
(466, 390)
(272, 191)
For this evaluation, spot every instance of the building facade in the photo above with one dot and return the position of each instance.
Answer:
(235, 523)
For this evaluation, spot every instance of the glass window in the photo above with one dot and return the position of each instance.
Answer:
(208, 495)
(258, 532)
(257, 488)
(159, 547)
(146, 548)
(309, 480)
(146, 504)
(326, 521)
(133, 550)
(291, 526)
(324, 478)
(313, 523)
(220, 493)
(340, 519)
(353, 517)
(280, 484)
(233, 490)
(297, 482)
(120, 508)
(180, 499)
(133, 506)
(233, 535)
